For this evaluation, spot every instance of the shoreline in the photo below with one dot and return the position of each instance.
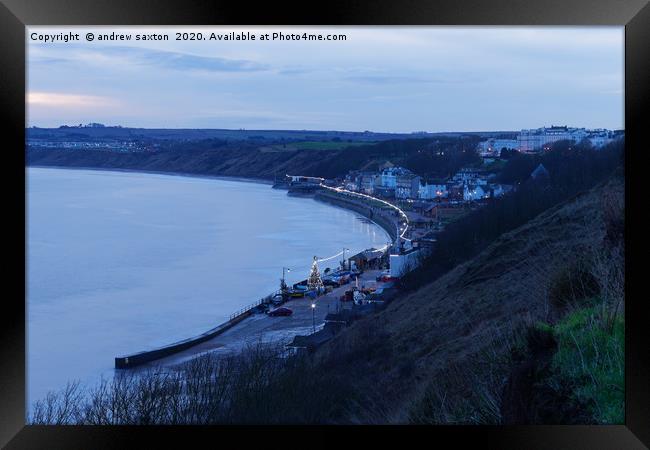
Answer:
(159, 172)
(208, 177)
(186, 345)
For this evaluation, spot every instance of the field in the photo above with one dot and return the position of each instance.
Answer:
(313, 145)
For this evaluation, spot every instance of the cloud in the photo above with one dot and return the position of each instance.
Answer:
(402, 79)
(185, 61)
(159, 58)
(61, 100)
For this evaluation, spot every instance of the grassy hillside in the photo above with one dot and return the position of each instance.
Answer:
(450, 352)
(430, 157)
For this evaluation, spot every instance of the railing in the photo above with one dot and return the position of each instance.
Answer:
(136, 359)
(254, 305)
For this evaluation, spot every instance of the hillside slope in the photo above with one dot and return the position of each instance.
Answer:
(442, 353)
(439, 157)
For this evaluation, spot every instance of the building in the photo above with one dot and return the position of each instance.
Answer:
(367, 259)
(351, 181)
(531, 141)
(498, 190)
(539, 172)
(298, 179)
(493, 147)
(388, 176)
(456, 192)
(368, 182)
(407, 186)
(472, 192)
(404, 262)
(385, 192)
(433, 191)
(357, 181)
(466, 175)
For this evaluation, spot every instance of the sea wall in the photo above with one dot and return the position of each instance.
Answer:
(136, 359)
(381, 217)
(377, 214)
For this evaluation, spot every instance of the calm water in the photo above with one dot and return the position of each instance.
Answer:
(122, 262)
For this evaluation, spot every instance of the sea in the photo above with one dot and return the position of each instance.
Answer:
(120, 262)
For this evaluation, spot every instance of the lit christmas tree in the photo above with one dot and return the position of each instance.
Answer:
(314, 281)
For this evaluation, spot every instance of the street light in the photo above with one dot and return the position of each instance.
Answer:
(283, 284)
(313, 317)
(344, 249)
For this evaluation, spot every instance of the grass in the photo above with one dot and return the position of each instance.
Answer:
(319, 145)
(591, 358)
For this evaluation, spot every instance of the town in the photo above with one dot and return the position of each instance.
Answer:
(418, 208)
(412, 206)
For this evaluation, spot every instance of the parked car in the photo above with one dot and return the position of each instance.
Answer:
(277, 300)
(347, 297)
(380, 277)
(331, 282)
(386, 278)
(281, 312)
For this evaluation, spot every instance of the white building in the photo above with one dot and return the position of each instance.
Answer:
(432, 191)
(493, 147)
(407, 186)
(405, 262)
(531, 141)
(474, 192)
(388, 176)
(465, 175)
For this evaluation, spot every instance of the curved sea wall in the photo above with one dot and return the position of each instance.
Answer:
(378, 214)
(136, 359)
(381, 216)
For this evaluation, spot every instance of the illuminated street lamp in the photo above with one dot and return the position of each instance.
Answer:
(313, 317)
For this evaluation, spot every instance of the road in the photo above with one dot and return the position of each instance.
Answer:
(261, 328)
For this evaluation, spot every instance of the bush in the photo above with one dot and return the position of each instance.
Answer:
(592, 359)
(259, 385)
(572, 285)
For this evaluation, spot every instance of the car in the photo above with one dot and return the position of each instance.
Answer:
(331, 282)
(386, 278)
(281, 312)
(347, 297)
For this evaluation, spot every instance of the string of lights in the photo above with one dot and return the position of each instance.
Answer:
(402, 213)
(331, 257)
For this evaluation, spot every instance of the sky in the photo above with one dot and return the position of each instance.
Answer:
(382, 79)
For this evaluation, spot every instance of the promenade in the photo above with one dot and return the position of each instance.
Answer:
(266, 329)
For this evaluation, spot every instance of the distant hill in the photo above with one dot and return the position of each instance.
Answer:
(436, 157)
(237, 135)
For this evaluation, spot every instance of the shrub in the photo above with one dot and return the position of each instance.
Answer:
(572, 285)
(592, 359)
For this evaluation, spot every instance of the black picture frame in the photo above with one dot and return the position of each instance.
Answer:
(16, 14)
